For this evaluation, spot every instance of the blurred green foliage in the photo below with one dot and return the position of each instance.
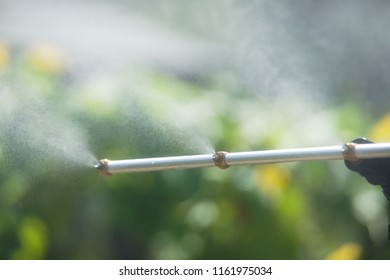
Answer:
(55, 210)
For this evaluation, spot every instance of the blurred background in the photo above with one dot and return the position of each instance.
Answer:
(83, 80)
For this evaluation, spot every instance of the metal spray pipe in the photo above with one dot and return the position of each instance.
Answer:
(223, 160)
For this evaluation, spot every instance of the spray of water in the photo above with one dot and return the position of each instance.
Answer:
(291, 55)
(165, 122)
(35, 136)
(109, 39)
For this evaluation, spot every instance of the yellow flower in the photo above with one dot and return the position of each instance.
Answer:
(381, 130)
(347, 251)
(4, 55)
(272, 180)
(47, 58)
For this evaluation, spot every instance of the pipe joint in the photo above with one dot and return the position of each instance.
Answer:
(349, 152)
(219, 159)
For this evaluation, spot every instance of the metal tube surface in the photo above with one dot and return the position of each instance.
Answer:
(285, 155)
(349, 151)
(373, 150)
(162, 163)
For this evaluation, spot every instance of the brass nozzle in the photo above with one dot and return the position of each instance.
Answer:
(219, 160)
(103, 168)
(348, 151)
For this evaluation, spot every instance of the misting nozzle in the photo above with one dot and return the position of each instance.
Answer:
(219, 160)
(103, 167)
